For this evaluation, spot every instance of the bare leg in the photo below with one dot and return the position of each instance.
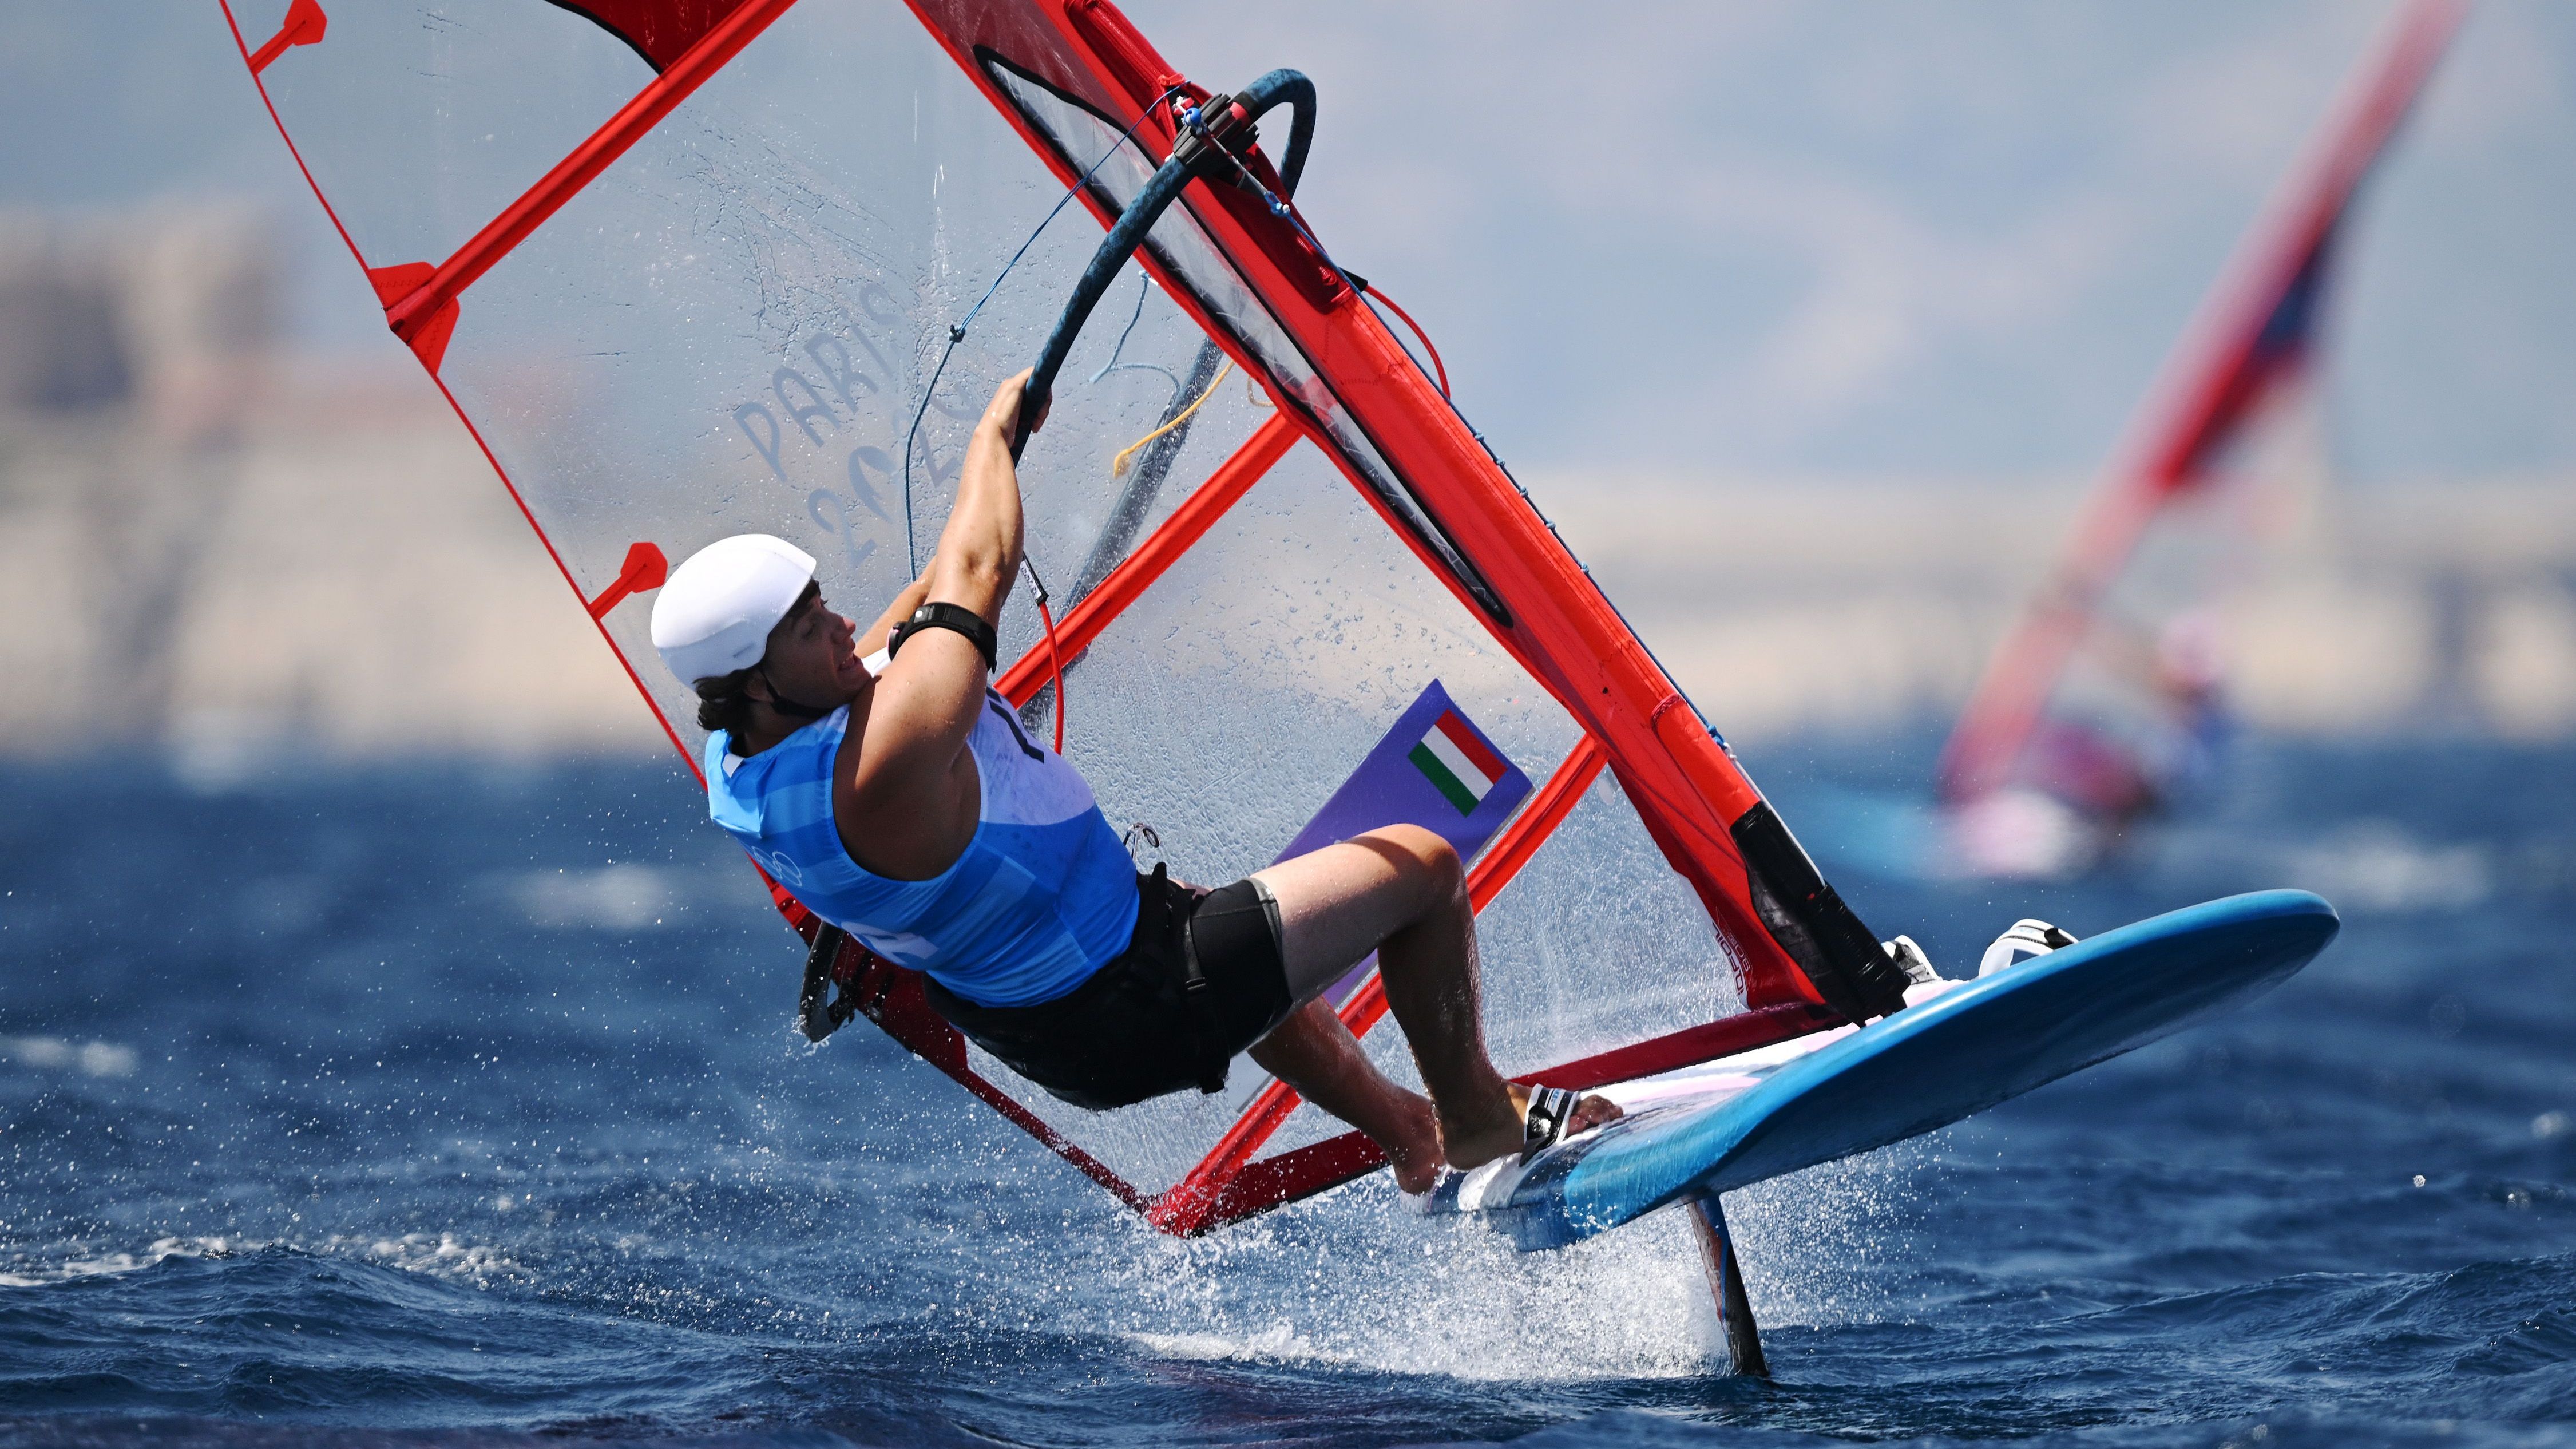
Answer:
(1401, 892)
(1313, 1052)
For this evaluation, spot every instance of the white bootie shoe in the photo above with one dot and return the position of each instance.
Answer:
(2026, 939)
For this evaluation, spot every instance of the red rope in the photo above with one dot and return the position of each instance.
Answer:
(1055, 670)
(1441, 367)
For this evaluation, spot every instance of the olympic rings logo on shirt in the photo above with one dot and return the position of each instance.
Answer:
(781, 869)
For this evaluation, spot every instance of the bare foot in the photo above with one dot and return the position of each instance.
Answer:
(1469, 1146)
(1415, 1154)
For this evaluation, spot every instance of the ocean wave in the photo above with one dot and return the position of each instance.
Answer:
(32, 1274)
(440, 1254)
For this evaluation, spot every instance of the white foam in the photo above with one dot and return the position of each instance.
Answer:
(1280, 1343)
(2376, 865)
(113, 1264)
(439, 1254)
(93, 1058)
(1830, 1245)
(1353, 1280)
(622, 897)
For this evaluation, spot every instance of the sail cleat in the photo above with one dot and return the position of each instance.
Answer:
(1909, 958)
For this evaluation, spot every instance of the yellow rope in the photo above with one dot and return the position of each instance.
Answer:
(1118, 465)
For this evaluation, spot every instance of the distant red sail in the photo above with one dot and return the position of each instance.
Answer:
(2250, 342)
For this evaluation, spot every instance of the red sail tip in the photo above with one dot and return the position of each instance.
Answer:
(427, 339)
(305, 25)
(398, 281)
(644, 570)
(661, 31)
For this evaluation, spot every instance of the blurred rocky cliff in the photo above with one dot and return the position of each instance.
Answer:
(2447, 606)
(215, 547)
(210, 545)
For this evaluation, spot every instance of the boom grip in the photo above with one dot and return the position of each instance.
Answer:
(1133, 223)
(1147, 207)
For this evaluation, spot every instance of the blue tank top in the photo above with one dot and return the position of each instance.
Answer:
(1044, 895)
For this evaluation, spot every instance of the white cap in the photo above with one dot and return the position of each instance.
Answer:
(717, 608)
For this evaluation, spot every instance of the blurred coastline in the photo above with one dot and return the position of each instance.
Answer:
(2443, 608)
(215, 545)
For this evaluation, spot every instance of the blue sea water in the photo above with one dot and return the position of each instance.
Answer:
(460, 1104)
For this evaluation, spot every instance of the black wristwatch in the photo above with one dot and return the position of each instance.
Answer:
(948, 616)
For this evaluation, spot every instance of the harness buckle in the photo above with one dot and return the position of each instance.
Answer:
(819, 1012)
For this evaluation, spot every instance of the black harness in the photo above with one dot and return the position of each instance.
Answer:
(1198, 1006)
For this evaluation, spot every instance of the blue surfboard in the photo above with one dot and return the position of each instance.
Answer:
(1961, 1048)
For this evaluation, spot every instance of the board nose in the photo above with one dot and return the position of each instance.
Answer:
(2298, 920)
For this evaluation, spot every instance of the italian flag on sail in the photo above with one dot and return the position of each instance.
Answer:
(1463, 767)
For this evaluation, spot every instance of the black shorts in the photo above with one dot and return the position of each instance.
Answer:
(1131, 1031)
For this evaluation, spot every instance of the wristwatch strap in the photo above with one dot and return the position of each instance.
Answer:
(948, 616)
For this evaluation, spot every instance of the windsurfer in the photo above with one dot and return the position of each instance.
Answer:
(895, 795)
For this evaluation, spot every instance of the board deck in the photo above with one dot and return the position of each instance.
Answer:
(1957, 1049)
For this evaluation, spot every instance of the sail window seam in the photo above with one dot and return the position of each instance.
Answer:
(1373, 475)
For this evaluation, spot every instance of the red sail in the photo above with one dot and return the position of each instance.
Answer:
(714, 305)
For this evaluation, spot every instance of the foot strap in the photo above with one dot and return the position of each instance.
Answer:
(2026, 939)
(1551, 1111)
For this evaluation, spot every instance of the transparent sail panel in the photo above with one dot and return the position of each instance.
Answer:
(1233, 699)
(731, 330)
(733, 327)
(1180, 244)
(1230, 701)
(421, 122)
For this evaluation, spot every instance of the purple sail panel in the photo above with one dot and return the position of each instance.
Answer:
(1434, 769)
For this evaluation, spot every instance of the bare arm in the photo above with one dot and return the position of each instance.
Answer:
(979, 550)
(907, 805)
(961, 567)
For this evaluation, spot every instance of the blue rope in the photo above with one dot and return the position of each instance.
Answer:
(1144, 284)
(957, 330)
